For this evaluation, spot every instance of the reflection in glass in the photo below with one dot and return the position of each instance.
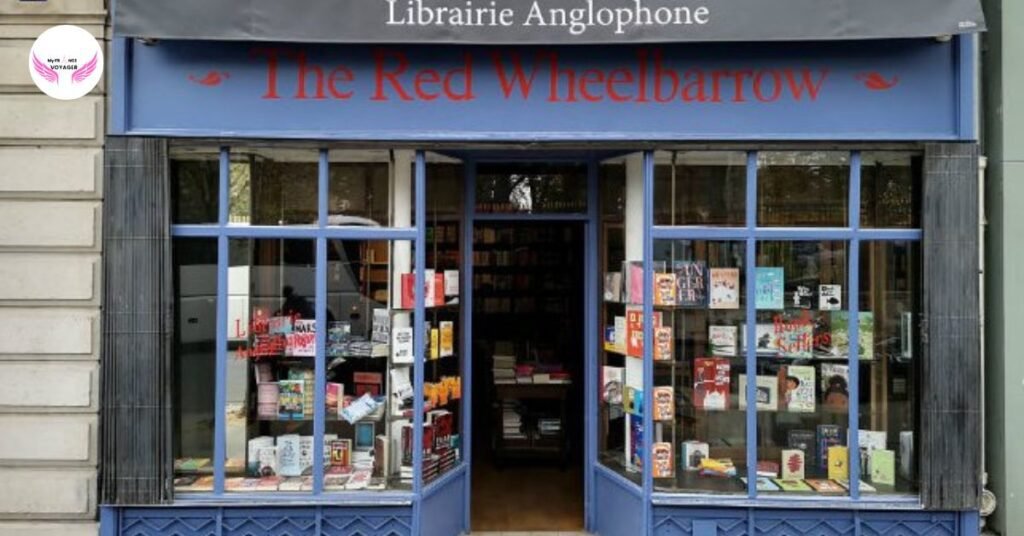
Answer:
(803, 373)
(699, 301)
(890, 296)
(890, 189)
(273, 186)
(195, 184)
(195, 362)
(700, 188)
(531, 188)
(271, 361)
(358, 188)
(803, 189)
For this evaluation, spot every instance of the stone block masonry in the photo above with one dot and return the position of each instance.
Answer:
(50, 208)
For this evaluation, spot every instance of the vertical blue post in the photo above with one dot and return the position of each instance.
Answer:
(590, 331)
(750, 341)
(319, 399)
(419, 342)
(468, 204)
(220, 395)
(648, 339)
(853, 302)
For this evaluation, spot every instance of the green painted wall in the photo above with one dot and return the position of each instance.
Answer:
(1003, 143)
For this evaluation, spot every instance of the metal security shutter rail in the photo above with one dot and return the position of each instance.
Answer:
(950, 454)
(135, 462)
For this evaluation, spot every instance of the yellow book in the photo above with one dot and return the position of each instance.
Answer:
(838, 458)
(447, 338)
(434, 344)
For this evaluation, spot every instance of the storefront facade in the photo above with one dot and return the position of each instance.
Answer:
(822, 192)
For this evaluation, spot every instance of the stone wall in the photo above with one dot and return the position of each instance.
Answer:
(50, 199)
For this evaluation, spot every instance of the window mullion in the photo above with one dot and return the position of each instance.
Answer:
(853, 302)
(750, 344)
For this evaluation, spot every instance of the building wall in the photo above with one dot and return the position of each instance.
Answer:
(50, 199)
(1004, 146)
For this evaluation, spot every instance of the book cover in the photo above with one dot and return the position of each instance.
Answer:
(711, 383)
(865, 334)
(290, 400)
(762, 483)
(661, 460)
(663, 343)
(830, 297)
(800, 386)
(838, 462)
(792, 485)
(381, 457)
(691, 283)
(613, 287)
(664, 289)
(766, 341)
(288, 462)
(301, 341)
(801, 296)
(883, 466)
(438, 293)
(365, 432)
(722, 340)
(766, 389)
(435, 344)
(619, 328)
(381, 332)
(341, 453)
(268, 397)
(267, 461)
(253, 447)
(864, 486)
(804, 440)
(768, 469)
(430, 284)
(794, 335)
(793, 463)
(829, 435)
(634, 274)
(306, 453)
(725, 288)
(367, 383)
(868, 440)
(279, 325)
(633, 401)
(720, 467)
(447, 328)
(338, 336)
(611, 384)
(693, 453)
(636, 443)
(769, 292)
(407, 298)
(835, 393)
(451, 282)
(401, 346)
(663, 401)
(635, 330)
(907, 455)
(826, 487)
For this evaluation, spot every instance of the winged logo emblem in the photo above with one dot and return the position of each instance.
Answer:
(52, 76)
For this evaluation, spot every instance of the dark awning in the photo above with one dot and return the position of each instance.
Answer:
(543, 21)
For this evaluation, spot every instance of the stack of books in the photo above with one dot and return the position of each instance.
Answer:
(447, 459)
(524, 373)
(504, 369)
(431, 467)
(548, 426)
(511, 420)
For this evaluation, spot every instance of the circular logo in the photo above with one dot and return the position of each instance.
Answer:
(66, 62)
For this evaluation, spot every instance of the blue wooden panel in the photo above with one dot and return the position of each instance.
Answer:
(443, 507)
(908, 524)
(366, 522)
(870, 90)
(698, 522)
(269, 522)
(618, 505)
(165, 521)
(804, 523)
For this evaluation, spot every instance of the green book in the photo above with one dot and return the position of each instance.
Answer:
(882, 463)
(792, 485)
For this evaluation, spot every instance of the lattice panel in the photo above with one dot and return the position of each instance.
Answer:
(804, 527)
(368, 524)
(929, 525)
(682, 525)
(168, 526)
(285, 523)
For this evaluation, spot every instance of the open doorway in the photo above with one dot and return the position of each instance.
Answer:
(528, 355)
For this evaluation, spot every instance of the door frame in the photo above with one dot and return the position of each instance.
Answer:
(591, 226)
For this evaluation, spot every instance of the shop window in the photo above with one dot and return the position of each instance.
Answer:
(700, 188)
(195, 184)
(890, 191)
(803, 189)
(270, 186)
(697, 396)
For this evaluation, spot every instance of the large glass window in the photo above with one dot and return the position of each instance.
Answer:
(316, 297)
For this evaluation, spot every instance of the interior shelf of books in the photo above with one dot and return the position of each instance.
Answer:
(367, 356)
(699, 402)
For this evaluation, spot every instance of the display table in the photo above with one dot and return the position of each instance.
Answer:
(533, 445)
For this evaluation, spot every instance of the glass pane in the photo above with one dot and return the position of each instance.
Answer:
(889, 320)
(890, 191)
(803, 372)
(803, 189)
(273, 186)
(270, 371)
(702, 188)
(369, 356)
(700, 428)
(360, 186)
(195, 362)
(531, 188)
(195, 184)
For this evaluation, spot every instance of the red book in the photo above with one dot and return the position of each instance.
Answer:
(408, 296)
(367, 382)
(438, 289)
(711, 383)
(635, 330)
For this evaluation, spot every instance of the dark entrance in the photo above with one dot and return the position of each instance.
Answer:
(528, 352)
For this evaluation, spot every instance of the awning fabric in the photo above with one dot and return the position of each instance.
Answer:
(553, 22)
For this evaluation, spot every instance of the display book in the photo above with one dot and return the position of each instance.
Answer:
(793, 388)
(281, 351)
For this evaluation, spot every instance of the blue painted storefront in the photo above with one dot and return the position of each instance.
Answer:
(614, 99)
